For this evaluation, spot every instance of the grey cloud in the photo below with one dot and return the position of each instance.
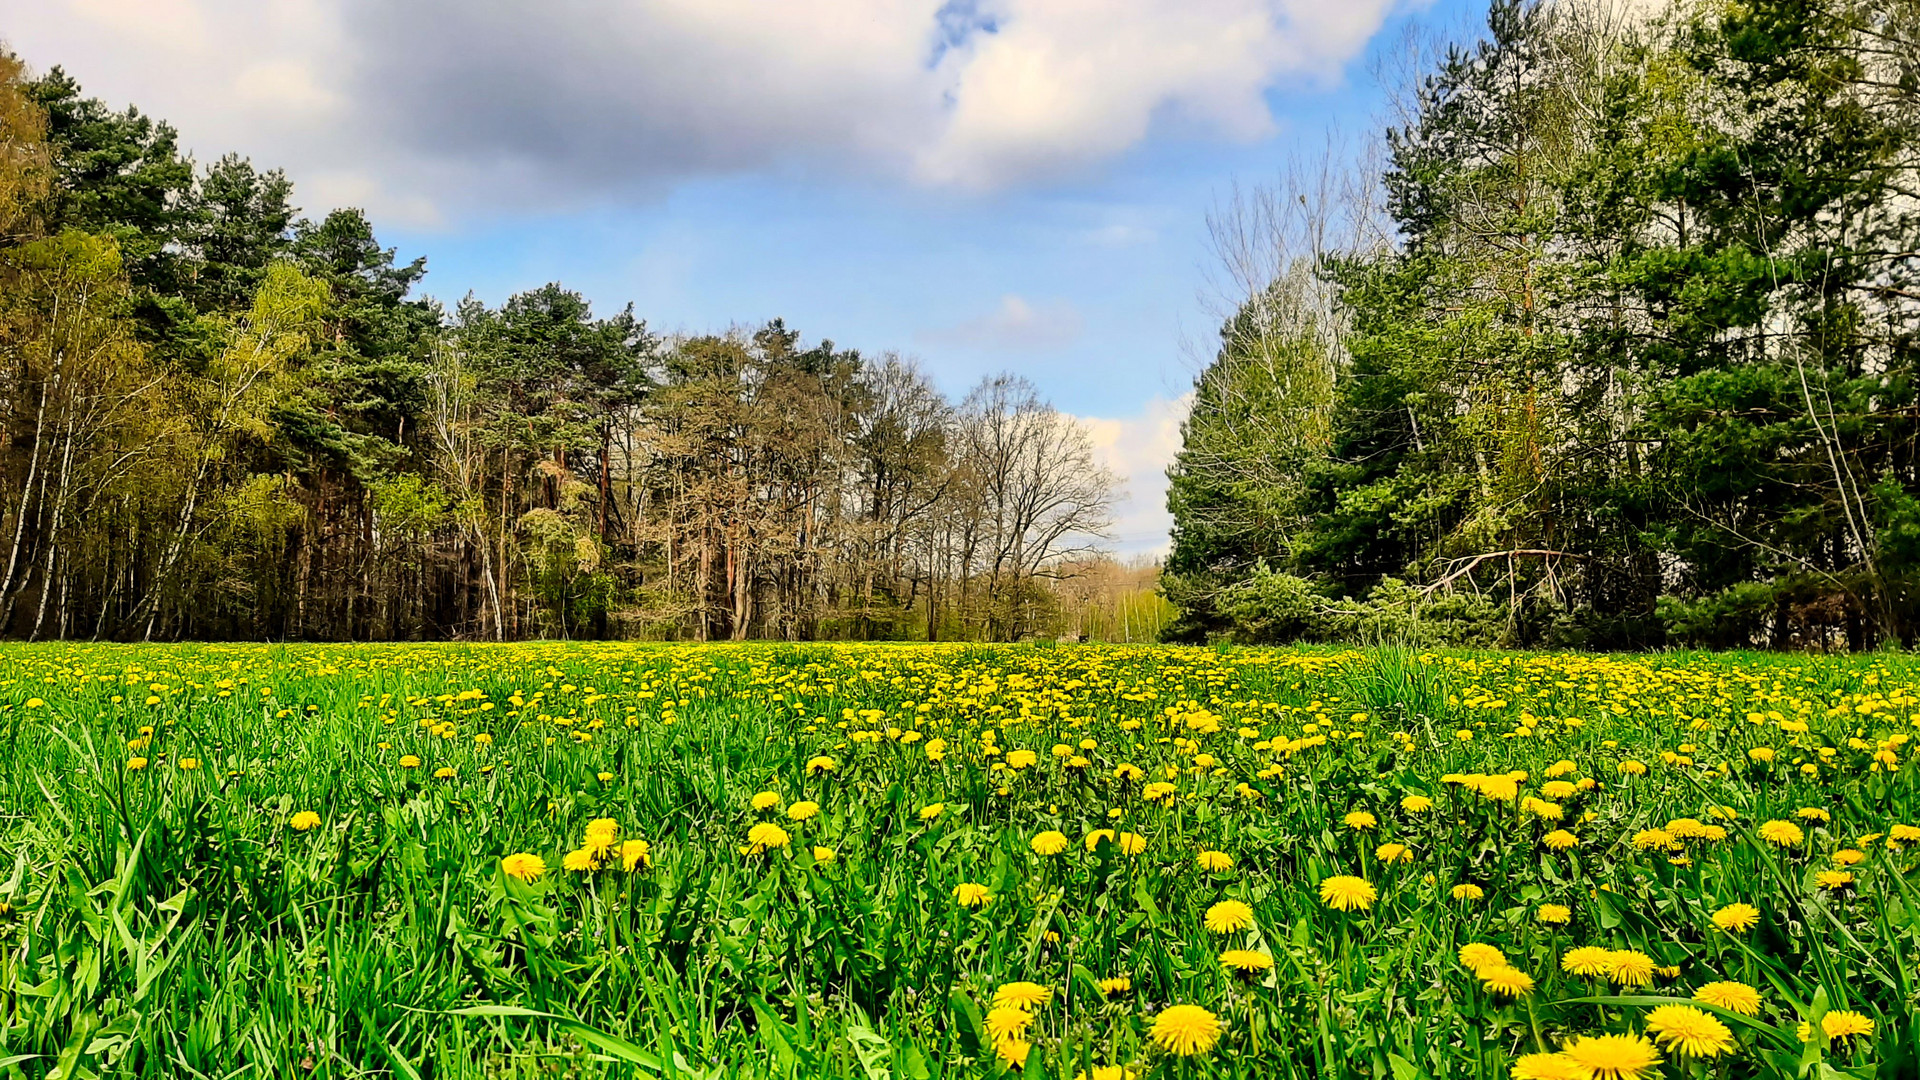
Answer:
(601, 95)
(457, 106)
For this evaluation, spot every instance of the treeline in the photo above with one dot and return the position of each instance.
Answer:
(219, 419)
(1609, 342)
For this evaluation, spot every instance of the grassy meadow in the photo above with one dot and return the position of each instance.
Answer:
(868, 861)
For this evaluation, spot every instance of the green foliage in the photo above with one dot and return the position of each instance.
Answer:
(222, 419)
(1260, 415)
(1640, 368)
(120, 174)
(411, 505)
(1729, 618)
(1270, 606)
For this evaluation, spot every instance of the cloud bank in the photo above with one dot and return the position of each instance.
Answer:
(1138, 449)
(433, 107)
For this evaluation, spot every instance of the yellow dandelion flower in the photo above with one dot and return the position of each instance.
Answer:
(1683, 1029)
(523, 866)
(1630, 968)
(1478, 955)
(1587, 961)
(1737, 918)
(1653, 839)
(1613, 1057)
(1245, 961)
(1554, 914)
(1781, 833)
(1005, 1023)
(1228, 916)
(1216, 862)
(971, 894)
(1344, 892)
(1506, 981)
(304, 820)
(765, 837)
(1023, 995)
(1051, 842)
(1687, 828)
(1546, 1067)
(601, 835)
(1186, 1030)
(1846, 1024)
(1735, 997)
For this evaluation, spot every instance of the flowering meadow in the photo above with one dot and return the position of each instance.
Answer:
(915, 861)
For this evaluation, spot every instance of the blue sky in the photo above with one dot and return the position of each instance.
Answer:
(982, 185)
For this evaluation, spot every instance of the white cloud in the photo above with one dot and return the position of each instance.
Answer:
(173, 24)
(1138, 450)
(1015, 325)
(515, 104)
(284, 86)
(1066, 83)
(325, 187)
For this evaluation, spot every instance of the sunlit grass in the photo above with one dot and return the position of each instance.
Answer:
(290, 860)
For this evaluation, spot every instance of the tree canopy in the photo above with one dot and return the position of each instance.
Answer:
(1627, 360)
